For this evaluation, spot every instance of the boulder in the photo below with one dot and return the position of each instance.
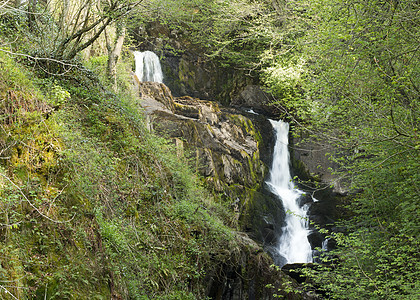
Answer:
(310, 160)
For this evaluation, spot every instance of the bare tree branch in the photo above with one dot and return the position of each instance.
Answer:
(32, 205)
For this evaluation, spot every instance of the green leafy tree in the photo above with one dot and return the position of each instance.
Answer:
(234, 33)
(360, 85)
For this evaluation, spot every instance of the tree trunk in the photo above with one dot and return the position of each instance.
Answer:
(114, 55)
(32, 13)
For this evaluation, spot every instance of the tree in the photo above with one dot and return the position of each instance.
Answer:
(234, 33)
(360, 84)
(89, 20)
(62, 29)
(114, 52)
(348, 72)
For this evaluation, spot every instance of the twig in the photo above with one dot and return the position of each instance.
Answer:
(55, 198)
(11, 225)
(32, 205)
(14, 280)
(40, 58)
(7, 291)
(5, 4)
(361, 269)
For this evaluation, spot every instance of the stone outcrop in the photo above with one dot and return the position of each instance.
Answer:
(189, 72)
(227, 145)
(311, 160)
(310, 163)
(248, 274)
(231, 149)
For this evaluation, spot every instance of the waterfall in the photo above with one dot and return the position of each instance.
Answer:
(325, 244)
(293, 246)
(148, 66)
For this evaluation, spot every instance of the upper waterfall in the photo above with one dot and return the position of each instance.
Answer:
(148, 66)
(294, 246)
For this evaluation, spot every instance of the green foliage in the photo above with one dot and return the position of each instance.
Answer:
(13, 26)
(13, 77)
(38, 226)
(361, 86)
(370, 102)
(373, 264)
(91, 203)
(234, 33)
(352, 79)
(283, 79)
(97, 64)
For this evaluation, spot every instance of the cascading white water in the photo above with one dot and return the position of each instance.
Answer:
(325, 244)
(294, 246)
(148, 66)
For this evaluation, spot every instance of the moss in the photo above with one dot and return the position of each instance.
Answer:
(255, 166)
(187, 110)
(186, 75)
(301, 170)
(131, 220)
(247, 126)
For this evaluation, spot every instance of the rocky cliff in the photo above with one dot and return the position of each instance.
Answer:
(231, 149)
(226, 146)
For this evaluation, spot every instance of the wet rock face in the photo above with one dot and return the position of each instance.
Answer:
(218, 154)
(187, 74)
(190, 73)
(247, 275)
(231, 149)
(224, 149)
(310, 163)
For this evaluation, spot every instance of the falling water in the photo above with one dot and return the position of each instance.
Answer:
(293, 246)
(325, 244)
(148, 66)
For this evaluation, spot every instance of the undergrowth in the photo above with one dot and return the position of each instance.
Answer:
(93, 205)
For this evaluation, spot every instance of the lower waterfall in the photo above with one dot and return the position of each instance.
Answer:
(293, 246)
(148, 66)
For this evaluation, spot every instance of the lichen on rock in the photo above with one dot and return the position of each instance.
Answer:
(224, 144)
